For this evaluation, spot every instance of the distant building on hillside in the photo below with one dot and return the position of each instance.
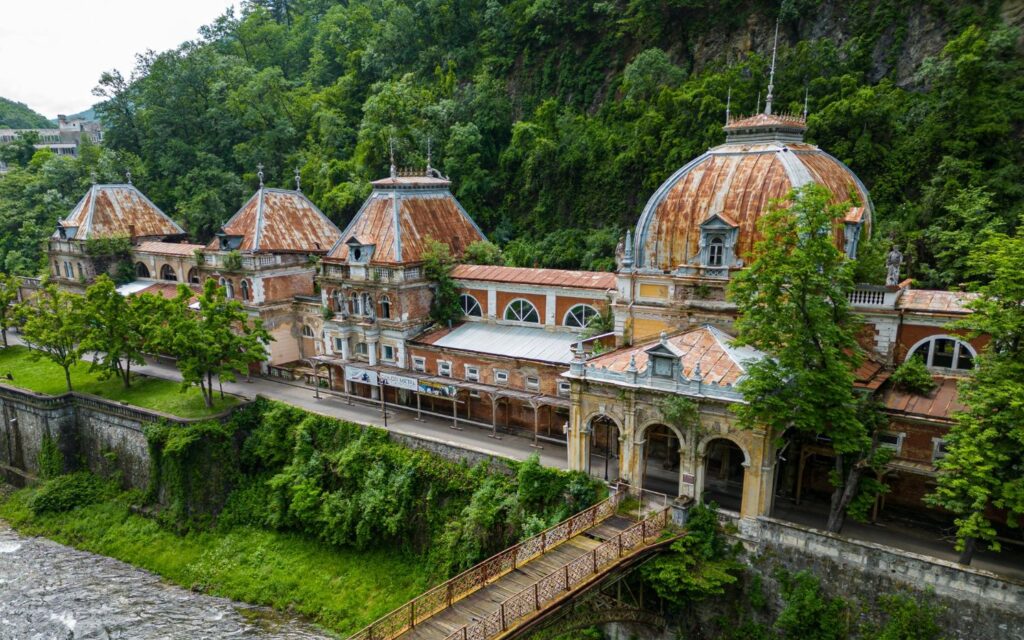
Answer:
(63, 141)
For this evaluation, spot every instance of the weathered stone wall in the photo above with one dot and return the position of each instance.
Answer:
(978, 605)
(451, 451)
(102, 436)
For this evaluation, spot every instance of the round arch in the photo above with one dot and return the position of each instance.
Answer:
(702, 447)
(642, 431)
(928, 349)
(580, 316)
(603, 437)
(141, 270)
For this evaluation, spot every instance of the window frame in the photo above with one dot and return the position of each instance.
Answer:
(419, 363)
(586, 323)
(385, 306)
(716, 251)
(937, 452)
(307, 331)
(929, 343)
(564, 388)
(472, 372)
(897, 448)
(384, 352)
(444, 368)
(657, 361)
(521, 316)
(531, 383)
(501, 376)
(467, 309)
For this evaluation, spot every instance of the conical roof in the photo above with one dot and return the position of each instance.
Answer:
(108, 210)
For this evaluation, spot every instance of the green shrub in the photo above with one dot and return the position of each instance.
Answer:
(809, 614)
(50, 459)
(913, 376)
(65, 493)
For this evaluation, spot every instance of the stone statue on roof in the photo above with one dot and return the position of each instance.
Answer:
(892, 266)
(620, 253)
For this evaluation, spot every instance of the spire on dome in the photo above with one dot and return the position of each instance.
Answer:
(298, 180)
(771, 75)
(259, 173)
(806, 94)
(391, 151)
(728, 104)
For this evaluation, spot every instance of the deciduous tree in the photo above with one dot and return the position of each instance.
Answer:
(983, 468)
(792, 303)
(118, 329)
(8, 296)
(51, 324)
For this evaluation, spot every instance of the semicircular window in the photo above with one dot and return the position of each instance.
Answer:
(580, 316)
(944, 352)
(470, 306)
(520, 310)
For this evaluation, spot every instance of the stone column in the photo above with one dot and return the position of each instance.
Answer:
(629, 458)
(577, 449)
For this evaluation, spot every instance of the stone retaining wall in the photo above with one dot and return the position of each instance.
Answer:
(92, 433)
(979, 605)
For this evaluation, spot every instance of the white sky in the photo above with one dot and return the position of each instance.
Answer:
(52, 52)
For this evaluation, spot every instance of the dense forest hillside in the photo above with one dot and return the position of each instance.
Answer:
(557, 119)
(16, 115)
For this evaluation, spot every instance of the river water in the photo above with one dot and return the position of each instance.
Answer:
(52, 592)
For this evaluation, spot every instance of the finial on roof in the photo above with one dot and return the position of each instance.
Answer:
(128, 175)
(697, 377)
(663, 338)
(728, 104)
(428, 155)
(627, 259)
(298, 180)
(259, 173)
(771, 75)
(391, 151)
(807, 90)
(632, 363)
(758, 108)
(92, 177)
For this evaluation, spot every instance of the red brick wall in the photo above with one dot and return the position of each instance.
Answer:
(277, 288)
(518, 370)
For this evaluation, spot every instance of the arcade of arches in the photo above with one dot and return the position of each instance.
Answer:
(625, 438)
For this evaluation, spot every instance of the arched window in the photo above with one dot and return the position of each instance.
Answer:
(69, 271)
(470, 306)
(580, 316)
(245, 289)
(385, 307)
(944, 352)
(141, 270)
(229, 289)
(167, 273)
(716, 252)
(56, 268)
(520, 310)
(193, 275)
(307, 331)
(81, 272)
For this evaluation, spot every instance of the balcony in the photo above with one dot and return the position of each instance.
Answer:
(257, 261)
(873, 296)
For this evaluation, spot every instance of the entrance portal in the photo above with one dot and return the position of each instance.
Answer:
(604, 448)
(661, 460)
(723, 474)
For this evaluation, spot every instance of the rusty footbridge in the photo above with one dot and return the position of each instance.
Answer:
(500, 595)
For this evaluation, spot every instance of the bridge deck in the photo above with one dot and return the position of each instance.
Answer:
(489, 598)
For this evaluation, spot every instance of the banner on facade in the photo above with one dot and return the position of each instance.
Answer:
(437, 389)
(397, 381)
(355, 374)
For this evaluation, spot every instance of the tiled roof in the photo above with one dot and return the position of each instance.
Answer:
(936, 301)
(940, 404)
(118, 210)
(721, 362)
(168, 248)
(425, 209)
(280, 220)
(508, 341)
(545, 277)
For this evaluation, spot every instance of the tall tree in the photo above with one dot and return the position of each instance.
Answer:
(216, 340)
(117, 328)
(437, 266)
(9, 286)
(984, 465)
(51, 324)
(792, 303)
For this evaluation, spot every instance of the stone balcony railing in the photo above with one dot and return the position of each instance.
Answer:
(371, 273)
(680, 385)
(258, 261)
(873, 296)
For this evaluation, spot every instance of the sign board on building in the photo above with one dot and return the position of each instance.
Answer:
(355, 374)
(398, 381)
(437, 389)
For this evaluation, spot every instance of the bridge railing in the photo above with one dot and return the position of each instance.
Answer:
(549, 588)
(444, 595)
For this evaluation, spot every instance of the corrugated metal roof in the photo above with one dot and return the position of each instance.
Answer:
(280, 220)
(509, 341)
(547, 277)
(118, 210)
(168, 248)
(720, 361)
(941, 403)
(399, 233)
(936, 301)
(763, 120)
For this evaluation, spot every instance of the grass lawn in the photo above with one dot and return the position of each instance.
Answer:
(341, 589)
(45, 376)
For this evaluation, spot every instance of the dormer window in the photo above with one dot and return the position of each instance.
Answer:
(227, 242)
(717, 238)
(662, 366)
(359, 252)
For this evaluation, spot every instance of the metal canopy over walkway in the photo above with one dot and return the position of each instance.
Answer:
(496, 596)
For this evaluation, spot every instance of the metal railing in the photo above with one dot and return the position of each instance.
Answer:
(444, 595)
(551, 587)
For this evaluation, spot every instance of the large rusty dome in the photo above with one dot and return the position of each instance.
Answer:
(703, 219)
